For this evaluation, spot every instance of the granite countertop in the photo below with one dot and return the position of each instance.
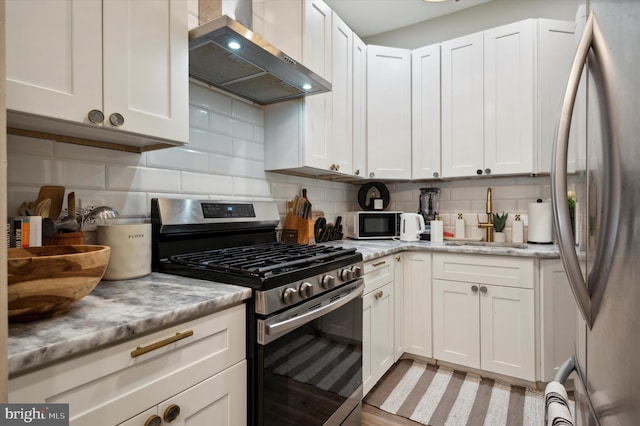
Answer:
(116, 311)
(119, 310)
(372, 249)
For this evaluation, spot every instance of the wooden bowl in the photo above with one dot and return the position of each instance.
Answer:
(46, 281)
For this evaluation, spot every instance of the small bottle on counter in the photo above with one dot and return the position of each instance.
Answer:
(437, 230)
(460, 231)
(517, 230)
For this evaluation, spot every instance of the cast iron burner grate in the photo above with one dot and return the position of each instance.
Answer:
(262, 260)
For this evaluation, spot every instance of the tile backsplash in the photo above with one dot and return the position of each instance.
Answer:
(225, 160)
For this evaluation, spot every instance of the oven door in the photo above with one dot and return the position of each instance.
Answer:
(309, 361)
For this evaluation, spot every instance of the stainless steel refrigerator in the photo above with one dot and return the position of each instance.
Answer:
(602, 106)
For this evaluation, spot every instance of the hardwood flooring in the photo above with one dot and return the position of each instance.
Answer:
(372, 416)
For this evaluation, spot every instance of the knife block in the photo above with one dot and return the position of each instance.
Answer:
(303, 227)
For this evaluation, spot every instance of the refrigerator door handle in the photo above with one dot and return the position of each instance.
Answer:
(559, 177)
(588, 299)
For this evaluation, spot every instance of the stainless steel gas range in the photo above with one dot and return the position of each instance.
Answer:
(304, 322)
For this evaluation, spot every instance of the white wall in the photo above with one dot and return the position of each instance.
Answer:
(223, 160)
(478, 18)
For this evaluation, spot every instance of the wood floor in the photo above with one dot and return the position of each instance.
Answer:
(372, 416)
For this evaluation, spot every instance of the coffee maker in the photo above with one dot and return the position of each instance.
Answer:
(429, 208)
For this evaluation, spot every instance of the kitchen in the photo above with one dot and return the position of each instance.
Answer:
(233, 166)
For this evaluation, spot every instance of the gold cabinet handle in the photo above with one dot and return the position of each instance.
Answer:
(171, 413)
(379, 264)
(398, 258)
(140, 350)
(154, 420)
(378, 294)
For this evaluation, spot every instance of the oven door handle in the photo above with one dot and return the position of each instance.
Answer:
(290, 324)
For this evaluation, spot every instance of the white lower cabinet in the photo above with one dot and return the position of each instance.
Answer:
(197, 368)
(221, 397)
(483, 313)
(558, 318)
(416, 310)
(378, 344)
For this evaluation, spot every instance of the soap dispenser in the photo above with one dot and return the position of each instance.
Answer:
(517, 230)
(460, 231)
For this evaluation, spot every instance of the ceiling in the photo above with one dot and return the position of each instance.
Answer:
(371, 17)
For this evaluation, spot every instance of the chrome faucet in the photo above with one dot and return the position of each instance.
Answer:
(488, 225)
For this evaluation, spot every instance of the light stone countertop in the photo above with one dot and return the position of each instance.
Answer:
(119, 310)
(116, 311)
(372, 249)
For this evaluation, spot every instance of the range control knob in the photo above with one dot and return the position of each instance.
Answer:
(306, 290)
(346, 274)
(289, 295)
(357, 271)
(328, 281)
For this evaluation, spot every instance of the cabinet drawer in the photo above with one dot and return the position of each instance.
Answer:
(498, 270)
(110, 385)
(377, 273)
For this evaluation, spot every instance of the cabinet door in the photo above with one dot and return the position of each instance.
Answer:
(316, 44)
(398, 311)
(556, 45)
(342, 97)
(359, 107)
(462, 106)
(456, 328)
(417, 303)
(558, 316)
(377, 337)
(222, 397)
(146, 67)
(425, 88)
(509, 100)
(388, 113)
(507, 331)
(54, 57)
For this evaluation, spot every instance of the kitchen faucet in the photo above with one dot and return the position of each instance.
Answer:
(488, 225)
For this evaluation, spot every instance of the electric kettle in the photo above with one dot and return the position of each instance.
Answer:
(411, 226)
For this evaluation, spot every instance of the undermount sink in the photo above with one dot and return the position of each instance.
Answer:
(486, 244)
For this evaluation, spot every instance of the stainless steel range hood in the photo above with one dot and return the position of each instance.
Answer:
(256, 70)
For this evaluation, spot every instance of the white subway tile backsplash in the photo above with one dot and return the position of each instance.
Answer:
(81, 174)
(130, 178)
(209, 100)
(178, 158)
(242, 130)
(219, 123)
(206, 141)
(243, 148)
(245, 112)
(198, 118)
(230, 166)
(201, 183)
(26, 169)
(252, 187)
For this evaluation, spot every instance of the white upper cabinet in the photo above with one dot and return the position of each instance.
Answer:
(425, 110)
(124, 60)
(315, 134)
(501, 92)
(509, 101)
(556, 45)
(359, 107)
(341, 146)
(462, 106)
(388, 113)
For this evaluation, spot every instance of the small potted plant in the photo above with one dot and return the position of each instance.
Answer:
(499, 221)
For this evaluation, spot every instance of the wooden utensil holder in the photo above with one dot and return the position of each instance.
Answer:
(303, 227)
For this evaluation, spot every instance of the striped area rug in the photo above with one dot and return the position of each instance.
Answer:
(439, 396)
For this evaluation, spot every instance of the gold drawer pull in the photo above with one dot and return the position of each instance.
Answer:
(378, 294)
(140, 350)
(379, 263)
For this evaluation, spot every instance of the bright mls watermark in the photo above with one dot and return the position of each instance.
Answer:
(34, 414)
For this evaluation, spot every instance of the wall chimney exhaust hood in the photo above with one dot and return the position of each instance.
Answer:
(227, 55)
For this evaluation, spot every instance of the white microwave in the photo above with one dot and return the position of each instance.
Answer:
(372, 225)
